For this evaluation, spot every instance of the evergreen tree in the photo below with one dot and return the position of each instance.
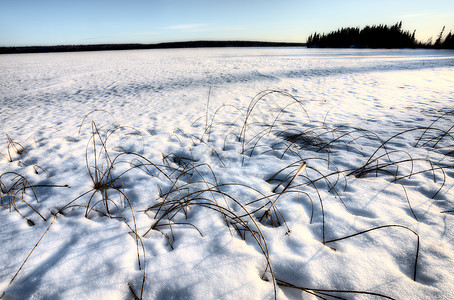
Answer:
(377, 36)
(448, 43)
(438, 42)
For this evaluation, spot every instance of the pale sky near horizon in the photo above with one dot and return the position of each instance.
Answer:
(58, 22)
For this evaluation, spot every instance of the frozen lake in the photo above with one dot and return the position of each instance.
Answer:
(165, 82)
(225, 173)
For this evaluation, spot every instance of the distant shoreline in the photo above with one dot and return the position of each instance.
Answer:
(173, 45)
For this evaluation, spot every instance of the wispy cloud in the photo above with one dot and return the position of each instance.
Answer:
(203, 28)
(412, 16)
(185, 27)
(230, 28)
(140, 33)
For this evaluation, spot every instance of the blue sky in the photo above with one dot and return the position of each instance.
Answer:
(52, 22)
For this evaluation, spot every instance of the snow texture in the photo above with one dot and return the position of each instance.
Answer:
(171, 174)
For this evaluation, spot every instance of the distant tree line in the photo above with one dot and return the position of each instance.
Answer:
(446, 42)
(377, 36)
(171, 45)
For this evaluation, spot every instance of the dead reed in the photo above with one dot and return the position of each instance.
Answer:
(309, 151)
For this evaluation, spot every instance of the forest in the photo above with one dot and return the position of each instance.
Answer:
(377, 36)
(171, 45)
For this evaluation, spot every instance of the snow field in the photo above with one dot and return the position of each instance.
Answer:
(202, 146)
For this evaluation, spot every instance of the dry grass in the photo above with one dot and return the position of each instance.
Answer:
(192, 184)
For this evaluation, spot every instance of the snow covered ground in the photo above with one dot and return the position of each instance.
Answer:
(173, 174)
